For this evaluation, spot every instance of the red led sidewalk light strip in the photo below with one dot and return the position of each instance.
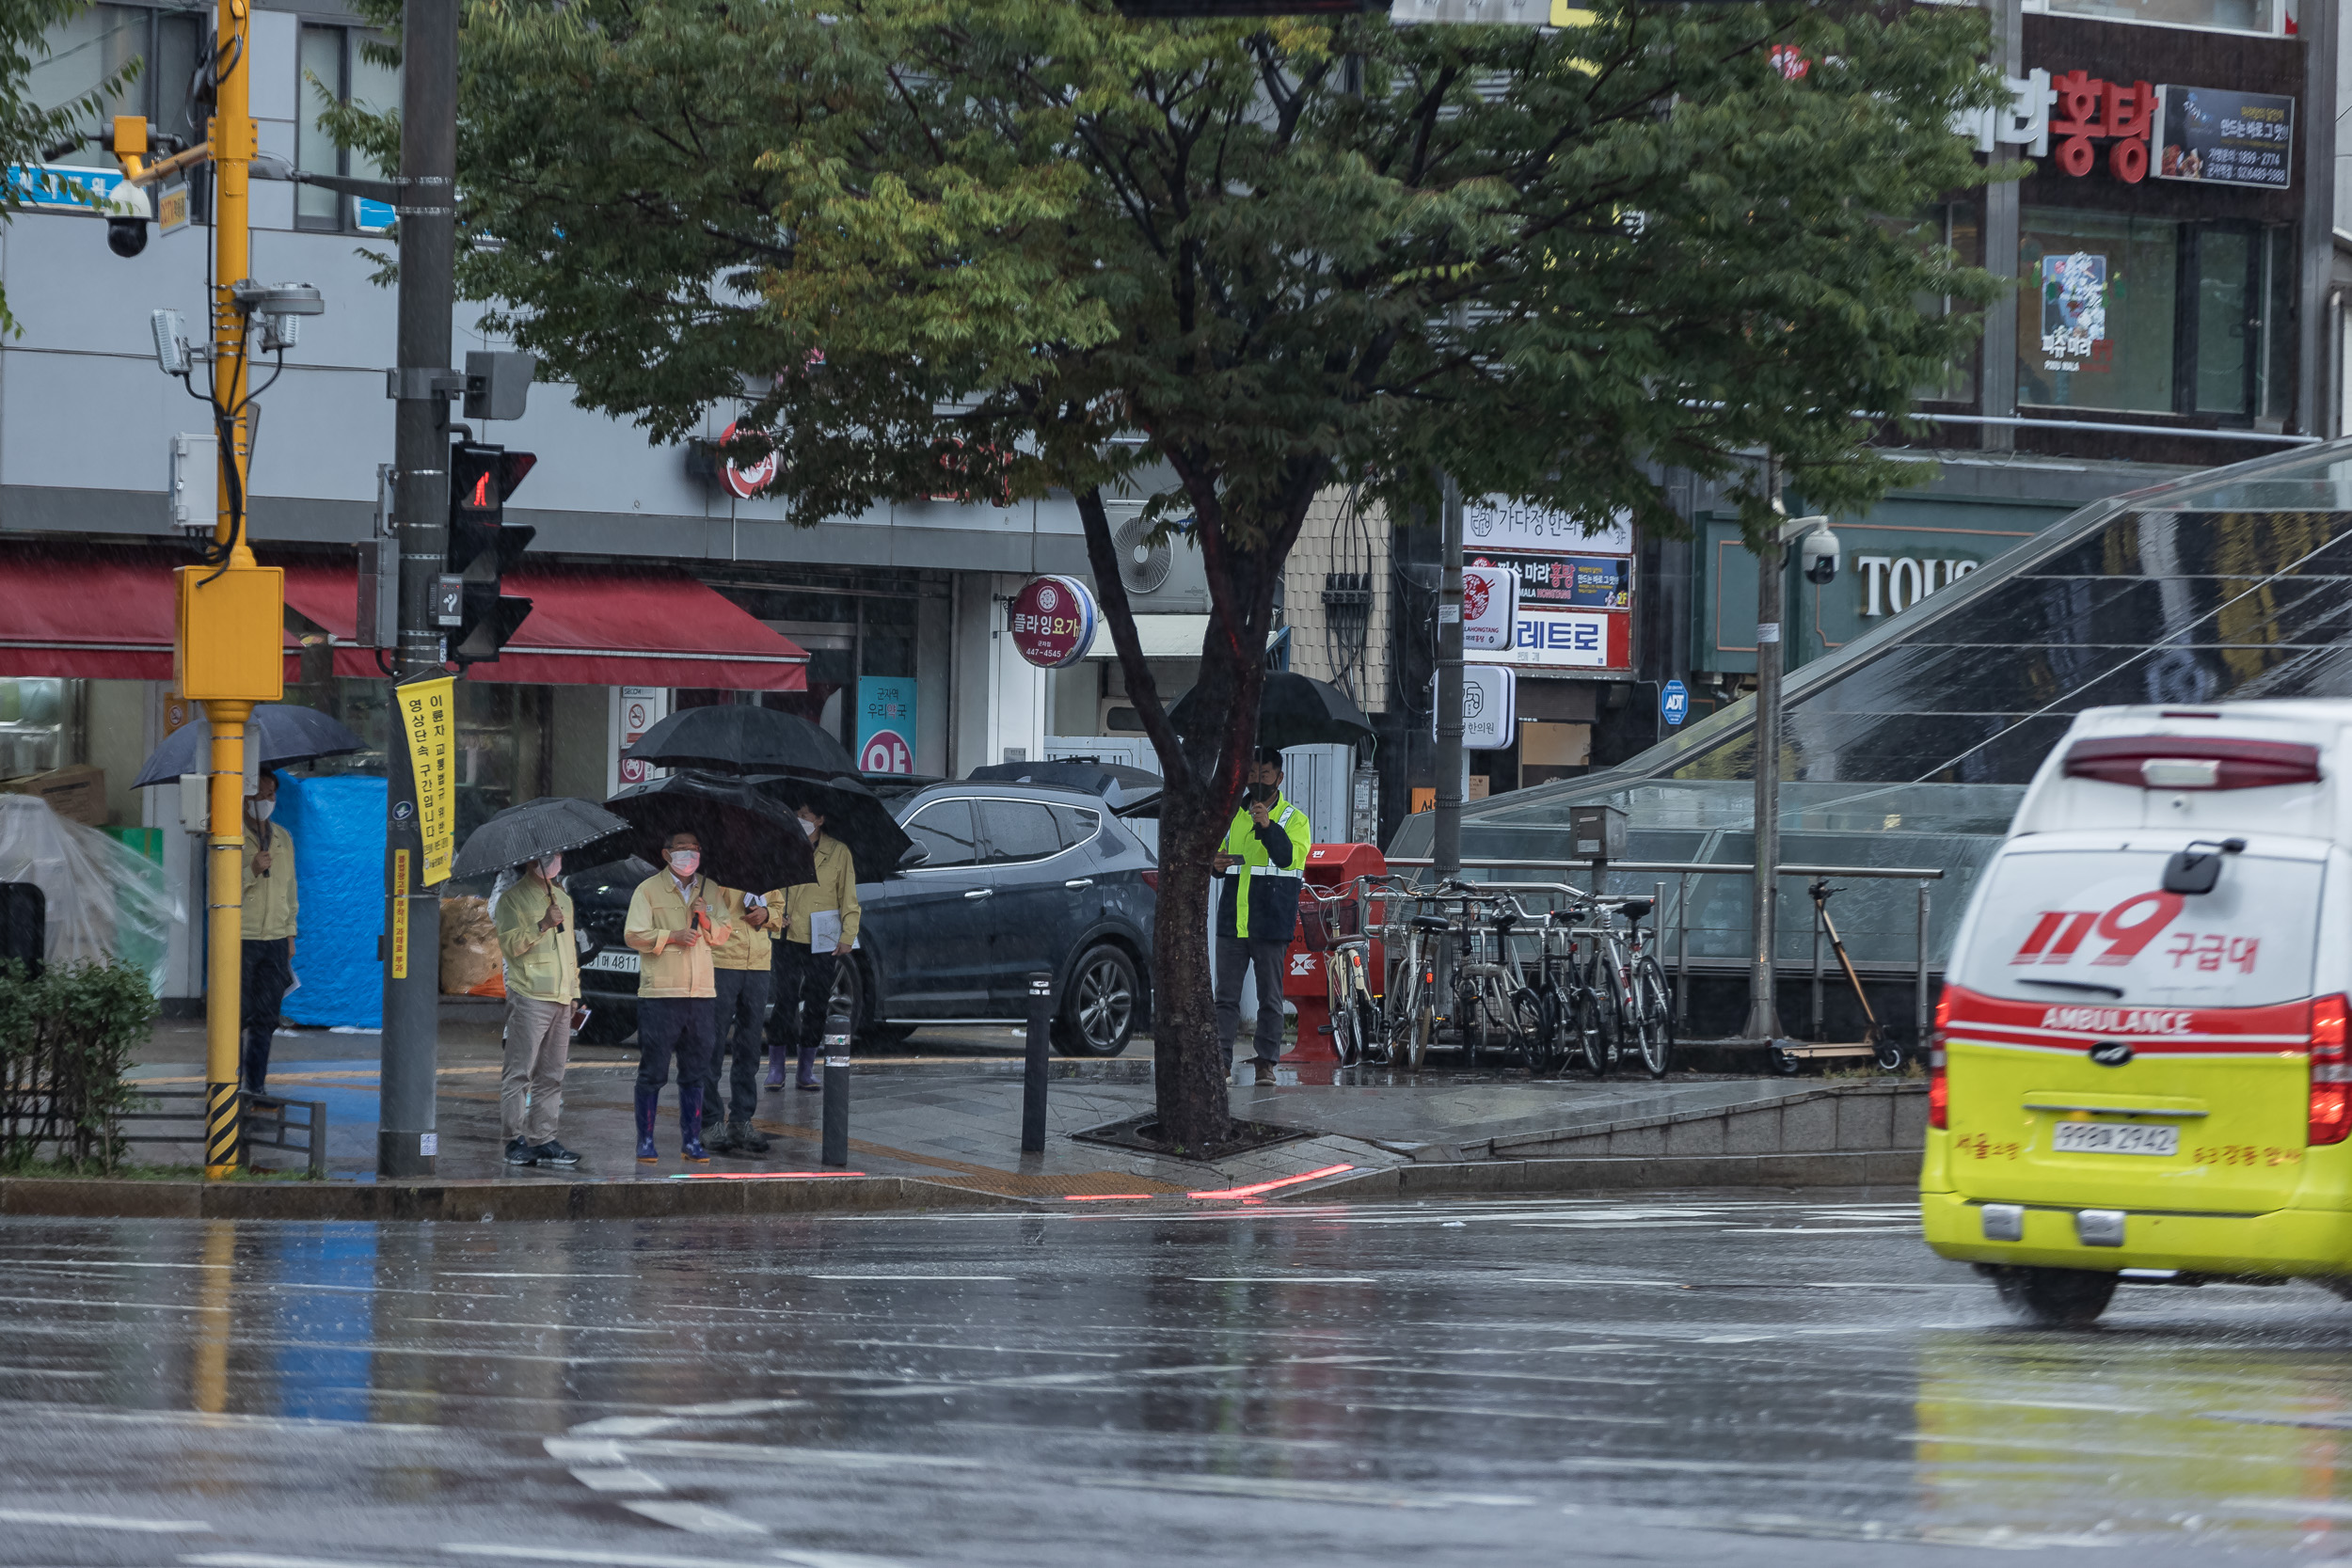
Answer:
(760, 1175)
(1253, 1190)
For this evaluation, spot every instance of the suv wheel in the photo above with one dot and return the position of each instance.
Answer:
(1098, 1018)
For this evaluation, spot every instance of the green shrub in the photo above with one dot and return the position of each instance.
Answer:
(66, 1038)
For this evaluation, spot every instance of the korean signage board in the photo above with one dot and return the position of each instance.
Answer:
(1575, 588)
(1489, 709)
(1052, 621)
(2074, 122)
(2220, 136)
(885, 723)
(1490, 605)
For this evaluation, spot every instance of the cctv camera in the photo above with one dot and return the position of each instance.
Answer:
(1818, 552)
(126, 236)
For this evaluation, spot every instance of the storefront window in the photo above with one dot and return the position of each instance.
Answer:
(2150, 315)
(2233, 16)
(40, 724)
(1952, 224)
(502, 738)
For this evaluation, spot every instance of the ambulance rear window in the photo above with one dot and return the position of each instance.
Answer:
(2087, 925)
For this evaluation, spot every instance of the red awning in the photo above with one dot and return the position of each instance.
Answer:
(89, 611)
(590, 625)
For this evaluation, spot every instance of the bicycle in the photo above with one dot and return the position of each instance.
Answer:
(1357, 1030)
(1630, 989)
(1411, 1014)
(1570, 1012)
(1493, 1003)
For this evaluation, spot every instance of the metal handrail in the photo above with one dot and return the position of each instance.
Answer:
(1693, 868)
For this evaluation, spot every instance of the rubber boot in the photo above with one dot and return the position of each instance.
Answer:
(808, 1068)
(775, 1064)
(648, 1102)
(690, 1123)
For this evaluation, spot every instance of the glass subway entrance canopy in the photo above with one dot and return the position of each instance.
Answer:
(1913, 744)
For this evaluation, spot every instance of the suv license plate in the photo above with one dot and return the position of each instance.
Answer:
(2115, 1137)
(619, 961)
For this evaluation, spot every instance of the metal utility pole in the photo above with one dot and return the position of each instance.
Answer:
(1764, 901)
(1447, 851)
(407, 1143)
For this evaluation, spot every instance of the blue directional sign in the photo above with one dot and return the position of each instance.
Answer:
(1673, 702)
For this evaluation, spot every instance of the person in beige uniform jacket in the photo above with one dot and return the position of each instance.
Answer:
(272, 910)
(534, 928)
(827, 909)
(673, 922)
(739, 970)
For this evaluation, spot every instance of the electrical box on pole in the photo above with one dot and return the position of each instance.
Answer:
(482, 546)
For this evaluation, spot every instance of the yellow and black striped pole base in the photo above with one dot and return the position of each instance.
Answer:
(223, 1152)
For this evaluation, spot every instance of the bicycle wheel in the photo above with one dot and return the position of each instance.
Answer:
(1470, 1017)
(1365, 1013)
(1659, 1011)
(1657, 1035)
(1583, 1037)
(1527, 1026)
(1609, 1007)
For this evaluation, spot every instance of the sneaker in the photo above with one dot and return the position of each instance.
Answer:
(746, 1139)
(721, 1139)
(1266, 1073)
(519, 1152)
(553, 1154)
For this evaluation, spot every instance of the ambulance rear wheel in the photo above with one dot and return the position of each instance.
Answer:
(2055, 1298)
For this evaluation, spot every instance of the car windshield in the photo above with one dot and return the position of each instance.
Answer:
(2097, 926)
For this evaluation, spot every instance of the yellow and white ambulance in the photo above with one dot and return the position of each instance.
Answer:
(2140, 1064)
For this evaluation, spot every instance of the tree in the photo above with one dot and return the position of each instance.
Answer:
(30, 132)
(1008, 238)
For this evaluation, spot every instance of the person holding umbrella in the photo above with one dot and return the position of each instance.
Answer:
(824, 920)
(673, 923)
(272, 910)
(534, 928)
(741, 972)
(1262, 863)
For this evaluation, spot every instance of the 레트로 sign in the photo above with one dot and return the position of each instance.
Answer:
(1490, 604)
(2223, 137)
(1052, 622)
(886, 724)
(427, 718)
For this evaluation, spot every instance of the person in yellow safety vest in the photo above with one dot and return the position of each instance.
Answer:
(1260, 864)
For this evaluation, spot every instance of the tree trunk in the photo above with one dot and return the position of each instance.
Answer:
(1189, 1072)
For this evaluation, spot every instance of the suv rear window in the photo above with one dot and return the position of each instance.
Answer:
(1076, 824)
(2088, 923)
(1019, 831)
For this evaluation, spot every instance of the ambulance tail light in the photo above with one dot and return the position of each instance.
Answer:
(2331, 1073)
(1939, 1087)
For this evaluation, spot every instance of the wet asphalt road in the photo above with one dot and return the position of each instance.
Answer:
(1700, 1378)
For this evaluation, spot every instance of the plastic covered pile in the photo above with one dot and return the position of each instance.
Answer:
(337, 824)
(469, 949)
(106, 900)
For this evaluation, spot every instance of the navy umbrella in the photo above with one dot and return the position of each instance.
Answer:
(284, 732)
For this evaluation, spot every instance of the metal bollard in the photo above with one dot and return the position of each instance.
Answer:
(836, 1144)
(1041, 1053)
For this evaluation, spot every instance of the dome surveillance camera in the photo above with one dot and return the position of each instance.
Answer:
(126, 237)
(1818, 552)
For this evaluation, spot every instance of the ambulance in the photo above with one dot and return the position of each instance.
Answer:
(2139, 1068)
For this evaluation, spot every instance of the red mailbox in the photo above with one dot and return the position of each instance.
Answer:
(1331, 868)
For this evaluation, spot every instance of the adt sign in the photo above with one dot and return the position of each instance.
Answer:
(1673, 702)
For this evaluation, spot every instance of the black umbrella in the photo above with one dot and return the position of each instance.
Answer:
(285, 731)
(1294, 710)
(739, 740)
(749, 840)
(1115, 782)
(853, 813)
(535, 828)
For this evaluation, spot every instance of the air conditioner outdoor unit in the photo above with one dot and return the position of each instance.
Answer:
(1162, 578)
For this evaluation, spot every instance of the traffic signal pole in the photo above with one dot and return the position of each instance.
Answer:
(406, 1142)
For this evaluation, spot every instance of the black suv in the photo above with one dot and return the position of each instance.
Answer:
(1004, 880)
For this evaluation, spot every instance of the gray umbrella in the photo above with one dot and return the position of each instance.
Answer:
(285, 733)
(533, 831)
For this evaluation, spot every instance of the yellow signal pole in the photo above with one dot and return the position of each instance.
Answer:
(231, 628)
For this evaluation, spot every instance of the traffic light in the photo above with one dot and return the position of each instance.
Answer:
(482, 547)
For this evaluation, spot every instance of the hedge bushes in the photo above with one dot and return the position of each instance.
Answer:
(66, 1036)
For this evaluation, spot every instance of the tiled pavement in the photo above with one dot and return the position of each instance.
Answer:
(946, 1107)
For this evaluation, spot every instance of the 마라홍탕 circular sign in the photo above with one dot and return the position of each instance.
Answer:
(1052, 621)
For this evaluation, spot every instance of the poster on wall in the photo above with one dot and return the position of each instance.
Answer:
(885, 723)
(2221, 135)
(2075, 312)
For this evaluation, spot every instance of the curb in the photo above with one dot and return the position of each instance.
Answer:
(725, 1198)
(1867, 1168)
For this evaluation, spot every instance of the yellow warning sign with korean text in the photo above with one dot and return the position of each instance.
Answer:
(427, 716)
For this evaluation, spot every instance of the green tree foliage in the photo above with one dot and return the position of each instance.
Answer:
(28, 129)
(1035, 246)
(67, 1036)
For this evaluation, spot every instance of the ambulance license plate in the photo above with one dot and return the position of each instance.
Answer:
(2115, 1137)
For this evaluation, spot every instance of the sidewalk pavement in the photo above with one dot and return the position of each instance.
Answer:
(946, 1108)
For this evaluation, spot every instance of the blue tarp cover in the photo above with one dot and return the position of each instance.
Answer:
(338, 828)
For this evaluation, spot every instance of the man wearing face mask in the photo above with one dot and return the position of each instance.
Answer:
(534, 927)
(824, 929)
(271, 906)
(674, 923)
(1261, 864)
